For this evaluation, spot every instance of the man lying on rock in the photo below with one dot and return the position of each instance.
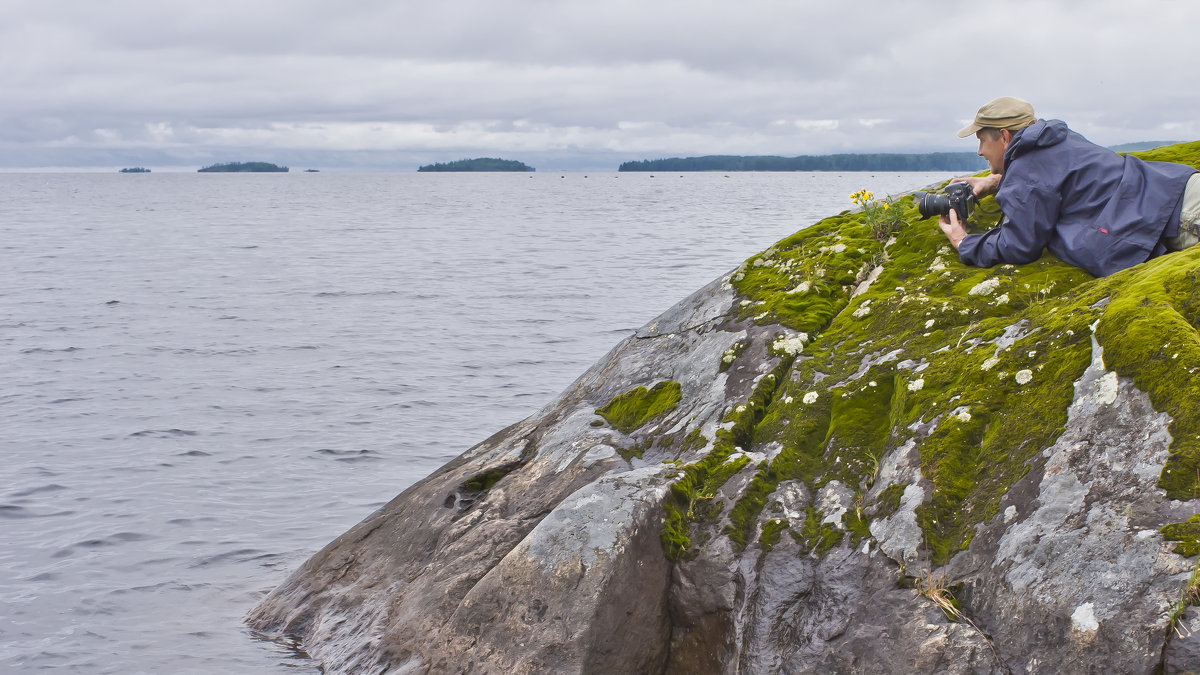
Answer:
(1092, 207)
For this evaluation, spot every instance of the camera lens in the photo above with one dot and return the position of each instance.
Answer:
(931, 205)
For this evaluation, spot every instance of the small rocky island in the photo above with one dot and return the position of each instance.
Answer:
(135, 169)
(851, 454)
(244, 167)
(479, 164)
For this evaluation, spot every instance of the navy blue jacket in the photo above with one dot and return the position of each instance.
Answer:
(1092, 207)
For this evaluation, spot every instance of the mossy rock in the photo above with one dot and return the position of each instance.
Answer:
(1186, 533)
(976, 366)
(629, 411)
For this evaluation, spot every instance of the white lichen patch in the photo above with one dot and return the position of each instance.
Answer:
(790, 345)
(1105, 388)
(916, 385)
(834, 500)
(1083, 619)
(810, 398)
(866, 284)
(985, 287)
(1023, 376)
(1002, 299)
(1009, 514)
(929, 324)
(961, 413)
(802, 287)
(863, 310)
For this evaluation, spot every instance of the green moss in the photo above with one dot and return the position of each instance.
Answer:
(1180, 153)
(857, 524)
(1186, 533)
(635, 450)
(629, 411)
(859, 427)
(922, 305)
(888, 500)
(975, 366)
(695, 440)
(691, 498)
(772, 530)
(732, 354)
(701, 480)
(484, 481)
(815, 536)
(1149, 333)
(745, 510)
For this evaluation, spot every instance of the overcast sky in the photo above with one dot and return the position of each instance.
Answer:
(585, 85)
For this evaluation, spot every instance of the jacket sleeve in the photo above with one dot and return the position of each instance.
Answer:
(1030, 218)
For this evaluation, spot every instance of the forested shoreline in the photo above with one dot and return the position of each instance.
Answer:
(935, 161)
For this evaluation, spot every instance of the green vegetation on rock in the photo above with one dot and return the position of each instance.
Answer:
(815, 535)
(903, 346)
(1186, 533)
(629, 411)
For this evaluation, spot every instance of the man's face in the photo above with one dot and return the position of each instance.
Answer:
(992, 144)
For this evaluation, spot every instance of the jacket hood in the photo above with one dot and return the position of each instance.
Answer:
(1040, 134)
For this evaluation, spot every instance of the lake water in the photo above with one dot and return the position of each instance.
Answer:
(207, 377)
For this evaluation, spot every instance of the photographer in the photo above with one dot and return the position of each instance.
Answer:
(1090, 206)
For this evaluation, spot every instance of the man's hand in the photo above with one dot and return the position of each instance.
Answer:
(982, 186)
(953, 229)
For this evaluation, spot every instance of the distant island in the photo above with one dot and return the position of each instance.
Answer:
(244, 167)
(935, 161)
(479, 164)
(136, 169)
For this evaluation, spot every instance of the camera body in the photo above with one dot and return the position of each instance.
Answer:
(958, 197)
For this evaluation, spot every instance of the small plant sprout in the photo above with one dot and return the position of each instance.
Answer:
(936, 588)
(1189, 595)
(873, 458)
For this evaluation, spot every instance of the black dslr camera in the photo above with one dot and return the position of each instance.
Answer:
(958, 197)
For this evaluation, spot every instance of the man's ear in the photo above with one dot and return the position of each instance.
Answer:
(1006, 136)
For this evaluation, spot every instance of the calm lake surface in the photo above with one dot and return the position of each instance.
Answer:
(208, 377)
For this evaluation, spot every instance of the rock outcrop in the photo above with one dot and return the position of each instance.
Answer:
(852, 454)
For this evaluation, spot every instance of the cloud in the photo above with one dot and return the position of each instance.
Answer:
(621, 78)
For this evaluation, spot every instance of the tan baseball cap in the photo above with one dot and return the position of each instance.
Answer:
(1005, 112)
